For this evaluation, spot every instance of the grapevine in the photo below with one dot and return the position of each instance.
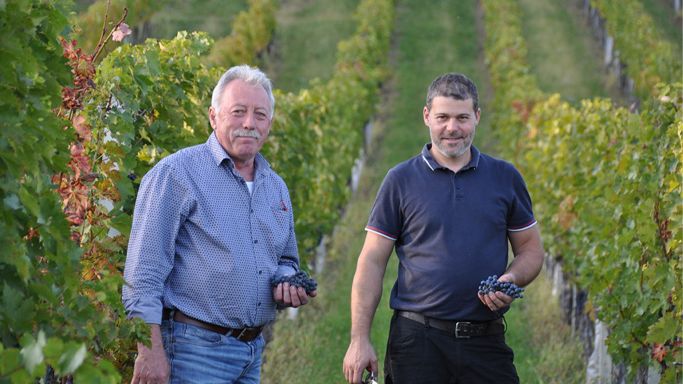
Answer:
(51, 320)
(91, 22)
(120, 112)
(606, 186)
(252, 31)
(650, 59)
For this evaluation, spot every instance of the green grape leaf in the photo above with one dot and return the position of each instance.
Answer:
(72, 358)
(32, 352)
(10, 360)
(666, 328)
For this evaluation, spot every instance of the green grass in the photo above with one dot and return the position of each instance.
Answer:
(562, 52)
(545, 350)
(305, 42)
(82, 5)
(211, 16)
(666, 20)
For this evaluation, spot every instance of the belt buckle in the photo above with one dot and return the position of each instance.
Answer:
(462, 327)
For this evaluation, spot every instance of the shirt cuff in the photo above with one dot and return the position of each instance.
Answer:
(285, 270)
(147, 309)
(522, 227)
(378, 231)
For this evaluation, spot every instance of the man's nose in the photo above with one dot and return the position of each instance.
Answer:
(249, 121)
(452, 125)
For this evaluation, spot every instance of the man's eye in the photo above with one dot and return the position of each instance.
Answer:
(260, 116)
(238, 112)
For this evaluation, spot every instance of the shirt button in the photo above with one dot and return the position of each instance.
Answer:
(260, 272)
(255, 241)
(251, 210)
(259, 304)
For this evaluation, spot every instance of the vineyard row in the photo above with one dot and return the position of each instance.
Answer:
(606, 185)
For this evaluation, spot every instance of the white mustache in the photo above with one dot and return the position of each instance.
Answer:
(246, 133)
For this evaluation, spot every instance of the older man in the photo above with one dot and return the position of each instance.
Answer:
(212, 224)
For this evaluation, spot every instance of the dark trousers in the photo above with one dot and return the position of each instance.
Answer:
(417, 354)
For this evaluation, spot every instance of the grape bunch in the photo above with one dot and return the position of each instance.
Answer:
(299, 279)
(491, 284)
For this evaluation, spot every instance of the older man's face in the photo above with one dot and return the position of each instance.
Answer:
(242, 122)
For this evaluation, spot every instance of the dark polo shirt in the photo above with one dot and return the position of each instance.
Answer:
(450, 231)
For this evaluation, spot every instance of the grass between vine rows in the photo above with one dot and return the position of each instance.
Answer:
(666, 20)
(212, 16)
(305, 41)
(563, 54)
(546, 351)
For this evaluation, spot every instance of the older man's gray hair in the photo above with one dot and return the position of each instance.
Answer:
(250, 75)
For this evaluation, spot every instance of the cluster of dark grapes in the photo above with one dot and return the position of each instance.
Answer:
(491, 284)
(299, 279)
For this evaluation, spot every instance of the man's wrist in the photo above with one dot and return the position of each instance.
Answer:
(512, 278)
(155, 340)
(360, 337)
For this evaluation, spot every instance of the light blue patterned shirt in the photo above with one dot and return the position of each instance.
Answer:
(201, 243)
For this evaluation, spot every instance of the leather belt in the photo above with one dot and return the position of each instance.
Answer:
(242, 334)
(460, 329)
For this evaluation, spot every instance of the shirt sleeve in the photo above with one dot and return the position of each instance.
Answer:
(520, 215)
(290, 255)
(386, 217)
(161, 207)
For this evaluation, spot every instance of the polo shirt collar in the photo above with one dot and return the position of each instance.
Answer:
(434, 165)
(219, 155)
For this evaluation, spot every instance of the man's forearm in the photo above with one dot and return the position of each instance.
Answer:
(525, 267)
(365, 295)
(528, 249)
(367, 283)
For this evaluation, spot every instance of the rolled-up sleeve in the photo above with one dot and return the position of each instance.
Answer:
(161, 207)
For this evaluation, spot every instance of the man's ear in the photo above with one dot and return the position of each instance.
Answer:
(212, 117)
(425, 115)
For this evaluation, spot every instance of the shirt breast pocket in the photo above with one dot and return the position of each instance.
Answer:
(282, 220)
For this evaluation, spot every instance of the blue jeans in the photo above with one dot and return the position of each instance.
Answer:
(197, 355)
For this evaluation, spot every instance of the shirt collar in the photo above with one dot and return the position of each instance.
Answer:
(220, 155)
(434, 165)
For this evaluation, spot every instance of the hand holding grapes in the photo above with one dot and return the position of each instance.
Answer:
(293, 290)
(498, 293)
